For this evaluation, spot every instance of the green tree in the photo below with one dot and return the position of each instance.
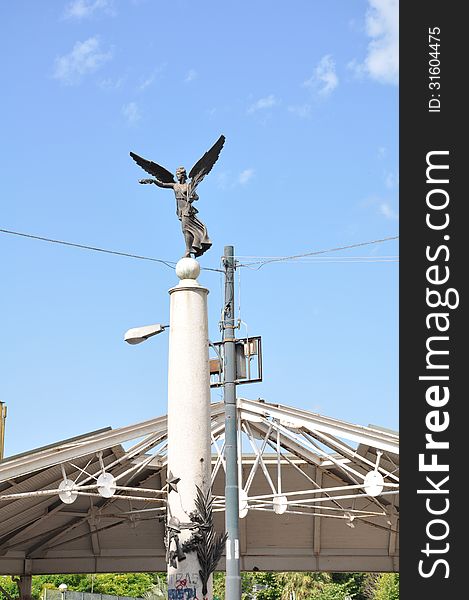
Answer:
(114, 584)
(301, 585)
(331, 591)
(355, 583)
(8, 588)
(387, 587)
(123, 584)
(248, 580)
(158, 590)
(218, 585)
(74, 582)
(272, 589)
(278, 586)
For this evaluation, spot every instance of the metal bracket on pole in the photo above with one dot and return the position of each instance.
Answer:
(248, 355)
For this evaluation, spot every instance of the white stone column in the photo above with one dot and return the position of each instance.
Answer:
(189, 455)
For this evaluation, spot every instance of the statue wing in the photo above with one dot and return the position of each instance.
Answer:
(154, 169)
(204, 165)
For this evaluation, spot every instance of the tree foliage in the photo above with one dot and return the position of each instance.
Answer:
(9, 586)
(115, 584)
(313, 586)
(383, 586)
(158, 590)
(255, 585)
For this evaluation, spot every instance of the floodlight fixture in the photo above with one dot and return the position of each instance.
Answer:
(66, 492)
(243, 503)
(280, 504)
(106, 484)
(373, 483)
(137, 335)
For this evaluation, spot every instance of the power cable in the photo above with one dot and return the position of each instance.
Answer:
(250, 265)
(261, 263)
(167, 263)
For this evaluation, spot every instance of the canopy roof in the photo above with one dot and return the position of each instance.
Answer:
(319, 494)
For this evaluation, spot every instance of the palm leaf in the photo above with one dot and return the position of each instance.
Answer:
(210, 545)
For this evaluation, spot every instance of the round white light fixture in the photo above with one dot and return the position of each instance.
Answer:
(66, 494)
(280, 504)
(106, 485)
(373, 483)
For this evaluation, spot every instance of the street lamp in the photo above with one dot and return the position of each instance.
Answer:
(63, 589)
(137, 335)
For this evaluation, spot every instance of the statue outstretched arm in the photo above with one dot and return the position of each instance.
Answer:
(157, 182)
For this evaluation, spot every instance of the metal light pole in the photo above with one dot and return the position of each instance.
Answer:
(3, 416)
(233, 578)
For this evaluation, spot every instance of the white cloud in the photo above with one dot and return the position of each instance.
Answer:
(382, 26)
(111, 84)
(303, 111)
(191, 75)
(382, 151)
(86, 57)
(227, 180)
(391, 180)
(131, 112)
(387, 211)
(83, 9)
(245, 176)
(381, 206)
(324, 79)
(148, 81)
(263, 103)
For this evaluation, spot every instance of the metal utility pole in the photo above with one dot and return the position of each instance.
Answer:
(233, 578)
(3, 416)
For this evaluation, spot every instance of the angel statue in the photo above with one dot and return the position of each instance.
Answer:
(194, 231)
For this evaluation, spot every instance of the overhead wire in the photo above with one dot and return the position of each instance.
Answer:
(261, 263)
(323, 257)
(312, 256)
(332, 260)
(170, 264)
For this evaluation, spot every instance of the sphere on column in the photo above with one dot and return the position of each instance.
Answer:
(187, 268)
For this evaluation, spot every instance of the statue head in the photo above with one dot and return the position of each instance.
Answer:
(181, 173)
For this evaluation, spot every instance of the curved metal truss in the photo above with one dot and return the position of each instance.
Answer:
(355, 462)
(280, 436)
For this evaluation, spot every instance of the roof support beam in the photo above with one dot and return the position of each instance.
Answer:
(356, 433)
(63, 453)
(317, 520)
(94, 533)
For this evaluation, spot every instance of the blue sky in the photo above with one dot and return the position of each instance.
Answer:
(306, 94)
